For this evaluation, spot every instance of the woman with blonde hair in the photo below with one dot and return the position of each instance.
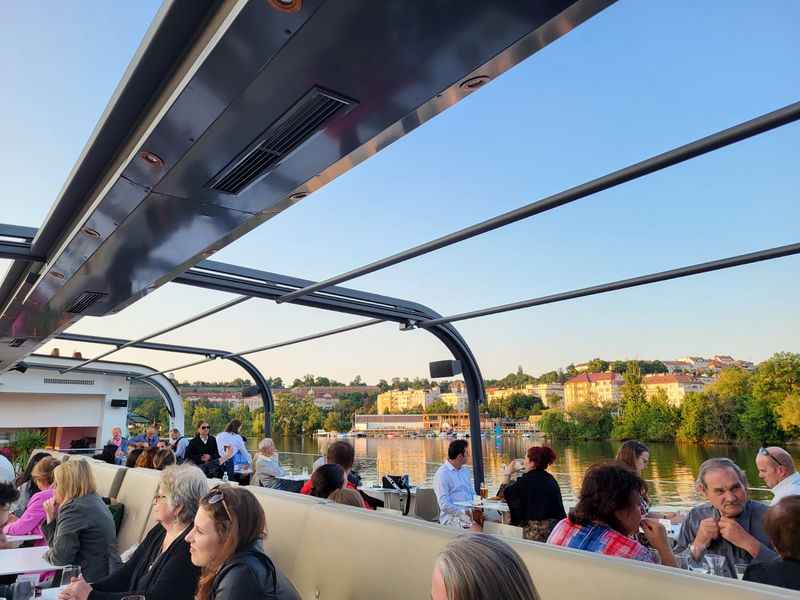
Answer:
(79, 527)
(226, 544)
(30, 523)
(160, 568)
(478, 566)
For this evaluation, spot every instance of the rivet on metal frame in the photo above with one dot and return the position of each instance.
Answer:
(473, 83)
(151, 159)
(286, 5)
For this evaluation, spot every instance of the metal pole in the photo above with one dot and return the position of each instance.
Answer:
(715, 265)
(306, 338)
(202, 315)
(672, 157)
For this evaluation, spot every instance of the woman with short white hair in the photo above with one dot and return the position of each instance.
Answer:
(478, 566)
(161, 567)
(268, 467)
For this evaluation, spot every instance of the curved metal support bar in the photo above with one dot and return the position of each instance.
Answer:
(473, 380)
(305, 338)
(714, 265)
(258, 378)
(704, 145)
(194, 319)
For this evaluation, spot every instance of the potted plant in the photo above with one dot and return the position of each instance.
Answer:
(25, 442)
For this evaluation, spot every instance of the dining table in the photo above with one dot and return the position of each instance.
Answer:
(14, 561)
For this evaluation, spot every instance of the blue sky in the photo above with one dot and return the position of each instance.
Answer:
(638, 79)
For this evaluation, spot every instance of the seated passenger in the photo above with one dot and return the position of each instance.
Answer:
(781, 524)
(25, 485)
(608, 513)
(338, 453)
(121, 444)
(149, 439)
(481, 567)
(326, 480)
(728, 524)
(133, 457)
(145, 459)
(31, 520)
(267, 464)
(535, 498)
(347, 496)
(776, 467)
(163, 458)
(202, 451)
(8, 496)
(226, 544)
(79, 527)
(452, 483)
(160, 568)
(637, 456)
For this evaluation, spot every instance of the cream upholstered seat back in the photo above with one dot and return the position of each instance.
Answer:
(332, 551)
(136, 493)
(107, 477)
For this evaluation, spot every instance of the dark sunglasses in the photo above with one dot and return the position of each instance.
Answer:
(764, 452)
(215, 496)
(204, 427)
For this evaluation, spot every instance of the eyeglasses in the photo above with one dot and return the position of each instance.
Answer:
(204, 427)
(764, 452)
(157, 499)
(216, 496)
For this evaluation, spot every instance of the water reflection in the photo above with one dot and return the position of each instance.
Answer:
(670, 474)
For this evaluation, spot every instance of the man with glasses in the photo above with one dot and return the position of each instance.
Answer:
(776, 468)
(203, 452)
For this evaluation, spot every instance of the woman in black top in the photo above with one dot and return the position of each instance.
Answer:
(535, 498)
(780, 523)
(160, 568)
(226, 543)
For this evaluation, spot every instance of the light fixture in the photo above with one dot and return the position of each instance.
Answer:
(286, 5)
(91, 232)
(151, 159)
(57, 274)
(473, 83)
(298, 196)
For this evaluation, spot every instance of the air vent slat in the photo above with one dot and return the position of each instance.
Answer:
(16, 342)
(84, 301)
(308, 116)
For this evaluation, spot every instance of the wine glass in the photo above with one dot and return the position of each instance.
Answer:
(740, 569)
(699, 565)
(69, 572)
(716, 564)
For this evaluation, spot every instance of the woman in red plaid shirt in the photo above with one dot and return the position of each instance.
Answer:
(608, 513)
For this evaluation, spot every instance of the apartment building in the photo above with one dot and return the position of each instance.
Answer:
(598, 388)
(395, 401)
(675, 385)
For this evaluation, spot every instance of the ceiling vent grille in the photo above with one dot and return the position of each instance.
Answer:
(297, 125)
(17, 342)
(55, 381)
(84, 301)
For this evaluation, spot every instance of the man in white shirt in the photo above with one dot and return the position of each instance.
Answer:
(6, 470)
(776, 468)
(452, 483)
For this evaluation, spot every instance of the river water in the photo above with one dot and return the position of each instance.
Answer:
(670, 475)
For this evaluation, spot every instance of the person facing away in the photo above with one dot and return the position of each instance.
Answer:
(776, 467)
(230, 438)
(326, 480)
(781, 524)
(346, 496)
(79, 527)
(25, 484)
(226, 545)
(163, 458)
(267, 465)
(30, 522)
(608, 513)
(452, 483)
(7, 473)
(339, 453)
(729, 524)
(478, 566)
(133, 457)
(535, 498)
(161, 567)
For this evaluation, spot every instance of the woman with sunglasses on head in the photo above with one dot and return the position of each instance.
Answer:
(226, 544)
(160, 568)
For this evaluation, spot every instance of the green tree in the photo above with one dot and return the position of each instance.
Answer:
(788, 412)
(759, 421)
(632, 391)
(154, 410)
(556, 424)
(780, 374)
(439, 406)
(592, 422)
(597, 365)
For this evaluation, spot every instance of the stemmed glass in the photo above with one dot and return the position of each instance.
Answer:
(69, 572)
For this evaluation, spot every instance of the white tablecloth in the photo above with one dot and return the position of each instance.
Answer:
(25, 560)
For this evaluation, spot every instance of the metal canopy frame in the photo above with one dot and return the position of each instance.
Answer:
(260, 381)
